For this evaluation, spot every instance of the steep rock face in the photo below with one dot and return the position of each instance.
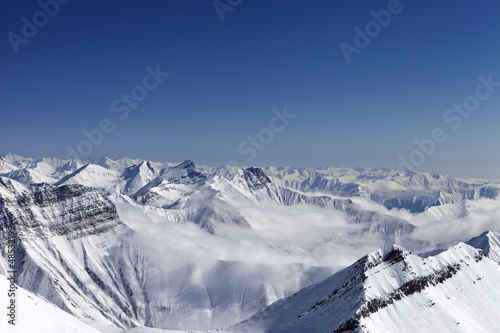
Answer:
(252, 184)
(256, 177)
(387, 290)
(72, 210)
(62, 237)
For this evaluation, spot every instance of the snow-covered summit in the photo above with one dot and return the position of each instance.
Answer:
(91, 175)
(29, 176)
(489, 242)
(138, 176)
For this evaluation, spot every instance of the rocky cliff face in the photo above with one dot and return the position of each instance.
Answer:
(73, 211)
(62, 235)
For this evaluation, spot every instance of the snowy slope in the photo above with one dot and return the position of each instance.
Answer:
(18, 161)
(186, 195)
(6, 167)
(28, 176)
(391, 290)
(489, 242)
(156, 330)
(37, 315)
(138, 176)
(253, 185)
(118, 165)
(93, 175)
(42, 168)
(66, 168)
(172, 185)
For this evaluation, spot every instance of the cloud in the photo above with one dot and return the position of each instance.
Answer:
(446, 225)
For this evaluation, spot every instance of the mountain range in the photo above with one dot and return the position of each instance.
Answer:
(109, 245)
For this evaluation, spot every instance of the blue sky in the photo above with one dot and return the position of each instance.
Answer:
(226, 77)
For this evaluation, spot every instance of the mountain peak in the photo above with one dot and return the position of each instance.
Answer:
(11, 156)
(489, 242)
(256, 177)
(389, 254)
(183, 173)
(187, 164)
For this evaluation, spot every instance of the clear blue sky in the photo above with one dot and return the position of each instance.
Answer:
(227, 76)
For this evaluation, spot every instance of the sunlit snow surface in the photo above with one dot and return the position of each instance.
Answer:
(35, 314)
(178, 246)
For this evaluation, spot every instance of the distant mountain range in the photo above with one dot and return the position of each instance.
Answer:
(133, 243)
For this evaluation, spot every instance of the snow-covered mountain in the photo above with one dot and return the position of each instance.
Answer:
(392, 290)
(414, 191)
(489, 242)
(6, 167)
(74, 251)
(130, 243)
(28, 176)
(62, 235)
(138, 176)
(92, 175)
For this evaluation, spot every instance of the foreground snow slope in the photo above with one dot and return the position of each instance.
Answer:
(37, 315)
(392, 290)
